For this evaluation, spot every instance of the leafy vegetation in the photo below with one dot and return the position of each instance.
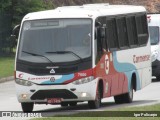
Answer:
(19, 8)
(22, 7)
(97, 118)
(6, 66)
(98, 115)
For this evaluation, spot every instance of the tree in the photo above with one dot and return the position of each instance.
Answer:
(21, 7)
(5, 6)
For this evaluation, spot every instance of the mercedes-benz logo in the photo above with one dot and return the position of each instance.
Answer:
(52, 79)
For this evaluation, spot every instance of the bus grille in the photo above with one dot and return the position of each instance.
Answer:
(43, 94)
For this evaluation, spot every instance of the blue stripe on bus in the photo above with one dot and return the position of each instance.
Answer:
(60, 80)
(128, 69)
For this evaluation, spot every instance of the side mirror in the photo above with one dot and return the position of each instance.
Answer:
(14, 35)
(15, 30)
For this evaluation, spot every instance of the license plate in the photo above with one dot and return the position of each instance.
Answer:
(54, 100)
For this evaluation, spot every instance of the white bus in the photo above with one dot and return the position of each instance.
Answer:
(154, 30)
(82, 53)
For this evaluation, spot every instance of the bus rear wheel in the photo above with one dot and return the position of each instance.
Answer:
(119, 99)
(27, 107)
(94, 104)
(128, 97)
(125, 98)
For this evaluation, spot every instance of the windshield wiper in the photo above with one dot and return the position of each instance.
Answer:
(63, 52)
(34, 54)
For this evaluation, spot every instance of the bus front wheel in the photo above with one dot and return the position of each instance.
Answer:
(94, 104)
(27, 107)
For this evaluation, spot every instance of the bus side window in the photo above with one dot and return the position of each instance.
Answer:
(132, 31)
(122, 32)
(112, 34)
(142, 29)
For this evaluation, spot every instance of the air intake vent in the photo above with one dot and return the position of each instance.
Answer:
(45, 71)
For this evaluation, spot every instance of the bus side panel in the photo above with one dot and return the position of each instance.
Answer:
(120, 66)
(146, 77)
(107, 86)
(125, 85)
(114, 82)
(135, 61)
(121, 82)
(126, 66)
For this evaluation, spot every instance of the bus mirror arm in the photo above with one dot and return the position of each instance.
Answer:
(15, 29)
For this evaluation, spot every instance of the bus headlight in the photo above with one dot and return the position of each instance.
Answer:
(83, 80)
(23, 82)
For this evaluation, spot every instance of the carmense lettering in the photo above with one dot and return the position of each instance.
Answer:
(40, 78)
(138, 59)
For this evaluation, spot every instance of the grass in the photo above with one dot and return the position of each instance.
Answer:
(6, 66)
(98, 115)
(97, 118)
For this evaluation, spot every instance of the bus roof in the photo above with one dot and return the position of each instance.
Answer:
(84, 11)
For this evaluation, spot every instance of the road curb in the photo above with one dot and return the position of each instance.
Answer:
(6, 79)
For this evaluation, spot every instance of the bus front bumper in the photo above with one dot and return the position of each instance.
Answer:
(69, 92)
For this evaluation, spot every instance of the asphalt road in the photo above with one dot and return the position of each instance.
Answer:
(8, 101)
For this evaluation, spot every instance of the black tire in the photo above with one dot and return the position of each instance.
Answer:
(27, 107)
(94, 104)
(72, 103)
(119, 99)
(128, 97)
(125, 98)
(64, 104)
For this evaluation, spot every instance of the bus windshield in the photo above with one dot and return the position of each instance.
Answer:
(154, 34)
(55, 40)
